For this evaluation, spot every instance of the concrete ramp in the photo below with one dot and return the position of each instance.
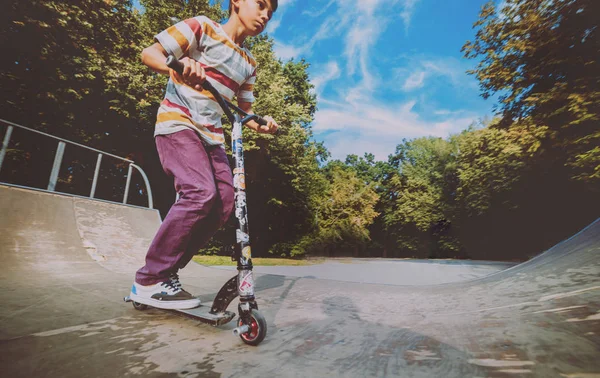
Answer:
(55, 229)
(67, 262)
(117, 237)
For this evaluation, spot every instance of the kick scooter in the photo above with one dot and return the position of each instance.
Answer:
(251, 325)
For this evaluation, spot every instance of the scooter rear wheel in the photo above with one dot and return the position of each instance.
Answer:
(258, 329)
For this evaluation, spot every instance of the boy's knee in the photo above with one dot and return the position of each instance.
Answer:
(201, 199)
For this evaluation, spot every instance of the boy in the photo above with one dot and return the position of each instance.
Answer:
(189, 139)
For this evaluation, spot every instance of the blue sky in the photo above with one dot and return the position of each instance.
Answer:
(384, 70)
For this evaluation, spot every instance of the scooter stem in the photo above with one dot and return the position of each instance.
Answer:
(244, 252)
(245, 280)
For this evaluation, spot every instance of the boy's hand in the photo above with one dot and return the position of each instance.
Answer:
(193, 73)
(270, 128)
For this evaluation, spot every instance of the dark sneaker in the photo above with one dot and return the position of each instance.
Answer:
(167, 295)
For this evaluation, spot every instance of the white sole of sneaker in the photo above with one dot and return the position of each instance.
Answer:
(166, 305)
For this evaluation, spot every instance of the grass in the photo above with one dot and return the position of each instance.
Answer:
(257, 261)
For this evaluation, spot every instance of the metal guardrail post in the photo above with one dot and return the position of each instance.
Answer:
(56, 167)
(96, 172)
(128, 184)
(147, 183)
(9, 131)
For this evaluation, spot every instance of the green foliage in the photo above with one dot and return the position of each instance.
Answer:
(72, 69)
(541, 56)
(491, 162)
(423, 197)
(531, 178)
(345, 210)
(68, 62)
(160, 14)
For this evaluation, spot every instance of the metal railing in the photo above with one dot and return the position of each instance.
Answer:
(59, 156)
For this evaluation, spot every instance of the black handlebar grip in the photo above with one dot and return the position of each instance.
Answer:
(261, 121)
(175, 64)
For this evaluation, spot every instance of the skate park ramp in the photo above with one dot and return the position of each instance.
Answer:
(67, 263)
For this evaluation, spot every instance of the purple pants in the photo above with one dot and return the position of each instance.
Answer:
(204, 181)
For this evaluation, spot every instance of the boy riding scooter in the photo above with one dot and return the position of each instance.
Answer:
(189, 139)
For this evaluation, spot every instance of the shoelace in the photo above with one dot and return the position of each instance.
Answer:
(174, 277)
(172, 286)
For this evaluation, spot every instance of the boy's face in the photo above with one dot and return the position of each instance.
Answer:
(254, 14)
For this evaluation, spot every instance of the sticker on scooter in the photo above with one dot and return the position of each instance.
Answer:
(240, 199)
(239, 214)
(236, 135)
(247, 284)
(240, 181)
(246, 252)
(242, 237)
(238, 149)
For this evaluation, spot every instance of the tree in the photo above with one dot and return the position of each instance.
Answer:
(76, 81)
(158, 15)
(541, 57)
(491, 163)
(424, 198)
(72, 69)
(346, 209)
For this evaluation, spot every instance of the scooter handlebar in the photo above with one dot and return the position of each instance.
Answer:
(173, 63)
(176, 65)
(260, 120)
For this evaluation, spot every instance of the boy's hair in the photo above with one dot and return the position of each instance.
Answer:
(273, 5)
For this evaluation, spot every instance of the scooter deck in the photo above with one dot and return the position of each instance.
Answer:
(201, 313)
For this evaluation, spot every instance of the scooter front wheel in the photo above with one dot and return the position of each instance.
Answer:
(257, 328)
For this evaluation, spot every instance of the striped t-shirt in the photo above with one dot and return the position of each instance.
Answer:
(231, 69)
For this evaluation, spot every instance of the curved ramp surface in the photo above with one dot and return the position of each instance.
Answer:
(62, 313)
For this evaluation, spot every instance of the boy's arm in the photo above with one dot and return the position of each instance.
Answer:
(271, 126)
(155, 58)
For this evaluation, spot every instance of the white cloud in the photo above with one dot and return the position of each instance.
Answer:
(446, 67)
(319, 11)
(273, 25)
(414, 81)
(344, 145)
(328, 28)
(359, 127)
(286, 52)
(360, 24)
(356, 122)
(282, 7)
(407, 13)
(447, 113)
(420, 71)
(358, 45)
(330, 71)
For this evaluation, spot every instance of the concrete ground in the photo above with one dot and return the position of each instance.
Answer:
(67, 262)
